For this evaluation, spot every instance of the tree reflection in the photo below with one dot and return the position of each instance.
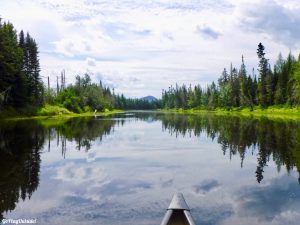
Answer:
(22, 142)
(20, 147)
(277, 140)
(83, 131)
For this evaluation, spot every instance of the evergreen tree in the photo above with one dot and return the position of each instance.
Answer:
(235, 97)
(213, 96)
(224, 78)
(225, 89)
(20, 83)
(269, 82)
(32, 71)
(287, 76)
(263, 72)
(244, 89)
(294, 83)
(278, 73)
(11, 80)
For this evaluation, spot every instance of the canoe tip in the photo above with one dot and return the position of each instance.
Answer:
(178, 202)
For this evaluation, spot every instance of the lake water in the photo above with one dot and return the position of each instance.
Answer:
(124, 169)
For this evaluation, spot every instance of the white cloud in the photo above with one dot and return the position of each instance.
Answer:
(153, 42)
(81, 175)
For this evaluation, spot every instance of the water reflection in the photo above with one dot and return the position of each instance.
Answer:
(83, 131)
(273, 140)
(141, 158)
(21, 144)
(267, 202)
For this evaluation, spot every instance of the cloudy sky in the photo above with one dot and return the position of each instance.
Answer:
(140, 47)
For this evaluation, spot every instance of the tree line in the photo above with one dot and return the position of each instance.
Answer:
(136, 103)
(82, 96)
(85, 95)
(237, 88)
(21, 85)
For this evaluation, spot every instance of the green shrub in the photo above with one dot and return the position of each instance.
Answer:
(87, 109)
(52, 110)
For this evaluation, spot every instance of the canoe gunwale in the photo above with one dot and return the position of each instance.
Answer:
(167, 217)
(189, 217)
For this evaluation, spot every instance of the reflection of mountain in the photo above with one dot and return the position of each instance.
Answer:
(20, 146)
(275, 140)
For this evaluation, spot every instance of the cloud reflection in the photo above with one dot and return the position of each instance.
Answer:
(206, 186)
(274, 201)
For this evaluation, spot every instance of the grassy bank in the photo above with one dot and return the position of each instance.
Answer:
(280, 112)
(48, 111)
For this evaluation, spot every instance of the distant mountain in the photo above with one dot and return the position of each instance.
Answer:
(149, 98)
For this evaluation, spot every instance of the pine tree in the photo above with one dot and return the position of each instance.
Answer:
(263, 71)
(269, 87)
(235, 88)
(224, 78)
(244, 94)
(21, 99)
(10, 66)
(32, 70)
(294, 83)
(225, 89)
(289, 68)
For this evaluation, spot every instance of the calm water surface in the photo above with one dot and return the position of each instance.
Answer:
(124, 169)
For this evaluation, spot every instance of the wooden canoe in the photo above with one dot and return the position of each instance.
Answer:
(178, 212)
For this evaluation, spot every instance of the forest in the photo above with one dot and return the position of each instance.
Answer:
(22, 88)
(20, 81)
(237, 88)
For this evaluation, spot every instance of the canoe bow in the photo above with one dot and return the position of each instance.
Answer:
(178, 212)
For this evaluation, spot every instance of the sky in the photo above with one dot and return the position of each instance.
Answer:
(139, 47)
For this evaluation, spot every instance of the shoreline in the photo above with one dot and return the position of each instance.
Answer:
(61, 116)
(273, 112)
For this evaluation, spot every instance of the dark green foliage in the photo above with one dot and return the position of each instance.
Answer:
(245, 84)
(294, 85)
(279, 97)
(10, 63)
(263, 73)
(20, 147)
(35, 86)
(20, 83)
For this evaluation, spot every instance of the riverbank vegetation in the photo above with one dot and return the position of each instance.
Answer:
(237, 88)
(272, 112)
(23, 93)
